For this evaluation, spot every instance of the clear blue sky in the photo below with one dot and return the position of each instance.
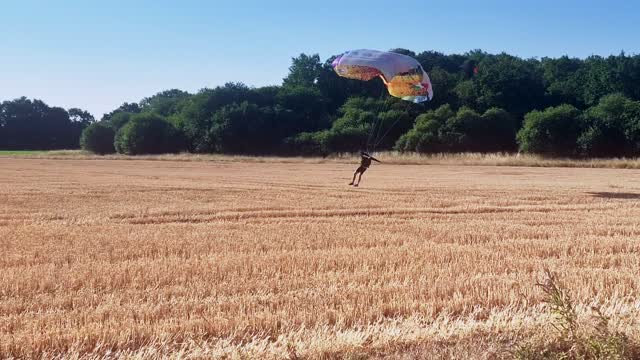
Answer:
(97, 55)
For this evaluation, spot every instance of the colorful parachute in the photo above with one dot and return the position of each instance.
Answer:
(403, 75)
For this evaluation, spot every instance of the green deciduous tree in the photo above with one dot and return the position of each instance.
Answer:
(445, 130)
(425, 135)
(148, 133)
(510, 83)
(553, 131)
(245, 128)
(611, 128)
(98, 138)
(132, 108)
(165, 103)
(32, 125)
(304, 71)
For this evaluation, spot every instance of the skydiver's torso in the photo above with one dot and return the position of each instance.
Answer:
(365, 162)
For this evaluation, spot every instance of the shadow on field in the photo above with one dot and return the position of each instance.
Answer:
(615, 195)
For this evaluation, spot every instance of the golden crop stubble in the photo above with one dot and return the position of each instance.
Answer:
(234, 257)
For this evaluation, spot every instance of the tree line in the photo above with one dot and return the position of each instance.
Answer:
(482, 103)
(33, 125)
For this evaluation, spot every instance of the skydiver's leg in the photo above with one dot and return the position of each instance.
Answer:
(360, 177)
(354, 176)
(359, 170)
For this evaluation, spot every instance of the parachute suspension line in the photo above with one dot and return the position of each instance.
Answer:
(394, 124)
(376, 127)
(370, 138)
(379, 134)
(386, 133)
(378, 141)
(378, 131)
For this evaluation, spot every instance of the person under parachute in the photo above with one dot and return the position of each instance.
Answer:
(402, 75)
(365, 162)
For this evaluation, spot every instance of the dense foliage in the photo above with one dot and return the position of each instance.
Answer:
(443, 130)
(33, 125)
(98, 138)
(483, 103)
(148, 133)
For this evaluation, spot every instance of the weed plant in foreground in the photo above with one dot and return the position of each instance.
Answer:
(572, 339)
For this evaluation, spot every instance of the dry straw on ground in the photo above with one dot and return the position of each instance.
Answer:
(283, 260)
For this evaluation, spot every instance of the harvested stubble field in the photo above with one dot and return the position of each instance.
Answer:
(113, 258)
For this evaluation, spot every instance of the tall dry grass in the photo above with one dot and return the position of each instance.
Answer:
(389, 157)
(284, 260)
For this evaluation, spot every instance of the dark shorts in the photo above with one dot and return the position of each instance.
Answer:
(362, 169)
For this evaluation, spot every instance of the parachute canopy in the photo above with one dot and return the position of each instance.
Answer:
(403, 75)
